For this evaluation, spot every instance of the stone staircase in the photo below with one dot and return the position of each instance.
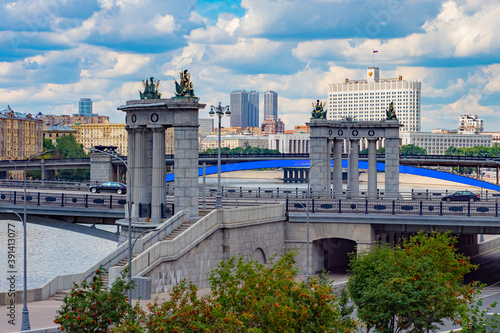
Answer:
(59, 296)
(183, 227)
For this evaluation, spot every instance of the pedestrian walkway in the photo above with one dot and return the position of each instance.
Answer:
(42, 313)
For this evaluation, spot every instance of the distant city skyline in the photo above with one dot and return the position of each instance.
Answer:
(52, 57)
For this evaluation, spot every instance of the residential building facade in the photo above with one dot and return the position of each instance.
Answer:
(272, 125)
(470, 124)
(438, 143)
(21, 135)
(54, 133)
(91, 135)
(368, 99)
(67, 120)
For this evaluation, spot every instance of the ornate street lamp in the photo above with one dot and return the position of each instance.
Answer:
(219, 110)
(25, 323)
(307, 217)
(129, 205)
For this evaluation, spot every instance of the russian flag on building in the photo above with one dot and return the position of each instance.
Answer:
(375, 51)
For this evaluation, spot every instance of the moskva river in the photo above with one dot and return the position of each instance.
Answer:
(51, 252)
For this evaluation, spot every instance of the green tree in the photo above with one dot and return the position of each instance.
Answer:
(248, 297)
(68, 147)
(407, 150)
(413, 286)
(47, 144)
(91, 307)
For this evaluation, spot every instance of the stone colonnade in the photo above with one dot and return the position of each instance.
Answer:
(329, 135)
(146, 122)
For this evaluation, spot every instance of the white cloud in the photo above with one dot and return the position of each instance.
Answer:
(164, 24)
(493, 74)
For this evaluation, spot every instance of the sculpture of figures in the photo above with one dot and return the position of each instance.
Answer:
(150, 89)
(185, 88)
(318, 111)
(390, 113)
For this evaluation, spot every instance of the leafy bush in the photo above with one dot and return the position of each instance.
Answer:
(91, 307)
(248, 297)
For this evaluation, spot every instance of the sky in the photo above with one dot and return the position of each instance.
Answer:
(54, 52)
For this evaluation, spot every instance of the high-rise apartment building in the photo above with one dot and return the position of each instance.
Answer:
(244, 107)
(470, 124)
(85, 107)
(270, 105)
(368, 99)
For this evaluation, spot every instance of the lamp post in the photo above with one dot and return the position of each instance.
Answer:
(129, 207)
(25, 323)
(219, 110)
(307, 218)
(481, 173)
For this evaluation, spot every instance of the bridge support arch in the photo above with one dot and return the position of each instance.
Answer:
(329, 243)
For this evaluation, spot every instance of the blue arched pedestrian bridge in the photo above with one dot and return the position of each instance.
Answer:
(404, 169)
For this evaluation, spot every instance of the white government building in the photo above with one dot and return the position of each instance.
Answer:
(368, 99)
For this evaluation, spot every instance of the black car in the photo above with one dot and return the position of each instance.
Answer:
(461, 196)
(119, 188)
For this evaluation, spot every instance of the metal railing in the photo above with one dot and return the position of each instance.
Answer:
(75, 200)
(395, 207)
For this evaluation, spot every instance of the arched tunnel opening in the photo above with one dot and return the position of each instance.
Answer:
(332, 254)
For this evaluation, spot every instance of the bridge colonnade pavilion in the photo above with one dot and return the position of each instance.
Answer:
(146, 122)
(330, 135)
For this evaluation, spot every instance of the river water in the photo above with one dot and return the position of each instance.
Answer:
(51, 252)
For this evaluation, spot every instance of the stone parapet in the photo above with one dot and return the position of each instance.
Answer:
(250, 231)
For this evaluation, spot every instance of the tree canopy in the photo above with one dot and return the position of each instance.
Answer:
(248, 297)
(66, 147)
(413, 286)
(482, 151)
(412, 150)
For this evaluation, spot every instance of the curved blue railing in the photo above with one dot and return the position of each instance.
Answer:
(242, 166)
